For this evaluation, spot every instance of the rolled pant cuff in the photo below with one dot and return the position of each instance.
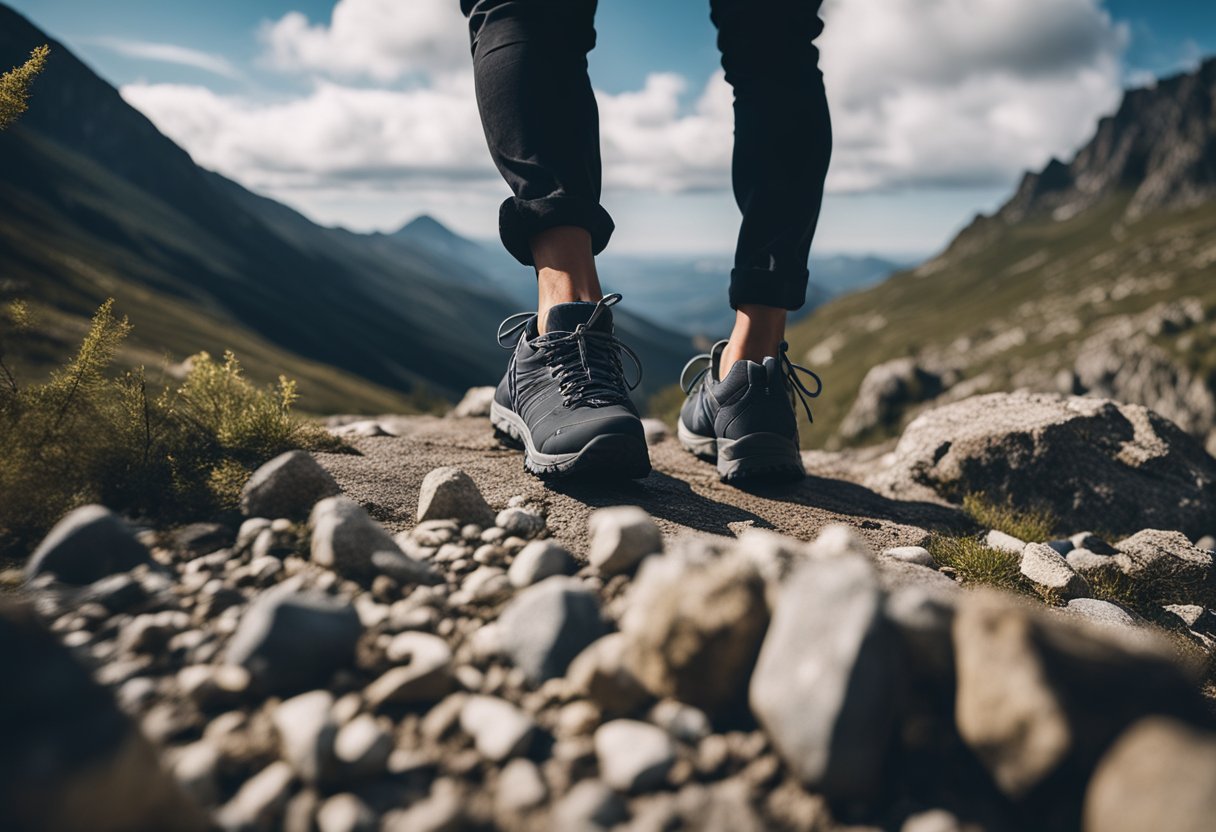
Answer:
(783, 290)
(519, 220)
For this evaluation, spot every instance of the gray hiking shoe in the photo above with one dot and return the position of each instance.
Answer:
(745, 422)
(564, 396)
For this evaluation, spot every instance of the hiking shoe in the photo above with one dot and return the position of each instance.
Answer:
(745, 422)
(565, 397)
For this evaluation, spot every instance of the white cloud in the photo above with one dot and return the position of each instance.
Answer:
(170, 53)
(924, 93)
(379, 39)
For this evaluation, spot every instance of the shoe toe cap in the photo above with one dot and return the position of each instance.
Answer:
(573, 435)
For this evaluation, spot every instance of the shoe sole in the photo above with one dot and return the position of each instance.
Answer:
(757, 456)
(615, 455)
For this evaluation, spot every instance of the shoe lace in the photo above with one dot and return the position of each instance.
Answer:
(797, 388)
(586, 362)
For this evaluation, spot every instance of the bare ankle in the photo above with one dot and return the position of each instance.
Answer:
(758, 333)
(565, 269)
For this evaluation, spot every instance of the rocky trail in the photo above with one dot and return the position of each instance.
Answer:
(420, 636)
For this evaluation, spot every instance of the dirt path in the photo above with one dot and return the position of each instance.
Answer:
(682, 494)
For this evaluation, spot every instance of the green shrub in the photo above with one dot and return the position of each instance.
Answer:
(85, 435)
(1031, 525)
(15, 86)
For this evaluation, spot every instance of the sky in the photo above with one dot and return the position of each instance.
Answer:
(361, 113)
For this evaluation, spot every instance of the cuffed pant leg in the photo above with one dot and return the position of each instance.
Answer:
(539, 114)
(783, 142)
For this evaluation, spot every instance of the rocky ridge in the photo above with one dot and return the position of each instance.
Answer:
(406, 645)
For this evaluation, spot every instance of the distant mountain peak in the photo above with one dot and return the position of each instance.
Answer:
(424, 224)
(1159, 148)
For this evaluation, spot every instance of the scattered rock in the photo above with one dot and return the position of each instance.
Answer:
(476, 403)
(1160, 774)
(656, 430)
(1091, 542)
(1046, 569)
(1084, 562)
(293, 641)
(1040, 695)
(538, 560)
(198, 539)
(1194, 616)
(403, 569)
(306, 735)
(824, 684)
(259, 801)
(886, 391)
(117, 593)
(345, 812)
(601, 674)
(911, 554)
(87, 544)
(346, 539)
(1004, 542)
(1127, 466)
(547, 625)
(693, 630)
(362, 747)
(519, 522)
(1167, 562)
(194, 767)
(619, 537)
(287, 486)
(450, 494)
(1207, 543)
(499, 729)
(633, 756)
(1102, 612)
(423, 672)
(684, 722)
(520, 787)
(589, 805)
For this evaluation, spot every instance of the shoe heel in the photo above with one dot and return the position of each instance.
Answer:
(702, 447)
(768, 456)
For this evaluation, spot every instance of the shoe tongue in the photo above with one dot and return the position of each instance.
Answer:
(565, 317)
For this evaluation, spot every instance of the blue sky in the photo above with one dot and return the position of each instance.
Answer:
(368, 122)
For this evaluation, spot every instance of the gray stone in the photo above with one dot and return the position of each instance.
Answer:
(1167, 560)
(475, 403)
(1090, 541)
(1207, 543)
(1127, 467)
(345, 538)
(546, 625)
(684, 722)
(117, 593)
(1160, 774)
(1044, 567)
(294, 641)
(824, 685)
(441, 811)
(1194, 616)
(520, 522)
(195, 767)
(260, 800)
(693, 629)
(1004, 542)
(87, 544)
(1101, 612)
(1040, 696)
(362, 747)
(404, 569)
(656, 430)
(633, 756)
(345, 812)
(933, 820)
(423, 672)
(1084, 561)
(1061, 547)
(520, 787)
(589, 804)
(250, 530)
(911, 554)
(885, 392)
(897, 574)
(538, 560)
(287, 486)
(450, 494)
(306, 735)
(601, 674)
(201, 538)
(499, 729)
(619, 537)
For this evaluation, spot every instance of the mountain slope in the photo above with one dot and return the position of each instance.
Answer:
(1097, 276)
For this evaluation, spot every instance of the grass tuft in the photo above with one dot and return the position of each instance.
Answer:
(977, 563)
(1033, 525)
(89, 435)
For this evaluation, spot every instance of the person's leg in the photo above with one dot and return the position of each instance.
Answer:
(542, 126)
(783, 141)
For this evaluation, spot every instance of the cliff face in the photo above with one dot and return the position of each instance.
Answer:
(1160, 147)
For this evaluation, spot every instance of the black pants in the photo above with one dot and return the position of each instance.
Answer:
(542, 125)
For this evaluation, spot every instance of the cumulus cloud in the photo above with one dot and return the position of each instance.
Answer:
(379, 39)
(923, 92)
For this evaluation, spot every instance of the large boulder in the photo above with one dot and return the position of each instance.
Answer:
(70, 760)
(885, 392)
(1093, 462)
(287, 486)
